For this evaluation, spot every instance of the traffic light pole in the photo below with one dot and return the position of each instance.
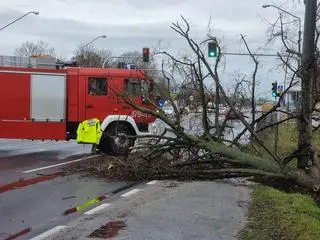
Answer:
(116, 57)
(145, 57)
(254, 54)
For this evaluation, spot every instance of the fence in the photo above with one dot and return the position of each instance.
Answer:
(29, 62)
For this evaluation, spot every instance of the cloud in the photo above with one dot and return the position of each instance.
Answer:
(131, 25)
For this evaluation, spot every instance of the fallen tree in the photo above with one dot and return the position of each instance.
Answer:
(209, 155)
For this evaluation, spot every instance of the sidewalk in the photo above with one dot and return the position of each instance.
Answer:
(166, 210)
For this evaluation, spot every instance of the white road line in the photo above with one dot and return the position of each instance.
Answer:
(48, 233)
(30, 146)
(152, 182)
(59, 164)
(133, 191)
(97, 209)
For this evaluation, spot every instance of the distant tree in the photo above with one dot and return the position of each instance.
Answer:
(151, 70)
(133, 57)
(28, 49)
(91, 56)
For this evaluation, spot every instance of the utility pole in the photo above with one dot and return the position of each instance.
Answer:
(308, 64)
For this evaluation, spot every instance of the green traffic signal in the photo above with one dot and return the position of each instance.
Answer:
(212, 49)
(275, 89)
(212, 54)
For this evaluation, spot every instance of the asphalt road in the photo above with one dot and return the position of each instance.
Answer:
(163, 211)
(33, 193)
(39, 206)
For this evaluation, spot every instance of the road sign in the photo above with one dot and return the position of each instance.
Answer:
(280, 88)
(174, 89)
(160, 103)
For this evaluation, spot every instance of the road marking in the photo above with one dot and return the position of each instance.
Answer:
(15, 236)
(98, 199)
(26, 182)
(152, 182)
(49, 232)
(133, 191)
(85, 205)
(97, 209)
(35, 144)
(59, 164)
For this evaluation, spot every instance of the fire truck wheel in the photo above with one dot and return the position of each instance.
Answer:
(115, 141)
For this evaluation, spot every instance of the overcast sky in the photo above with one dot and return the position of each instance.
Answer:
(133, 24)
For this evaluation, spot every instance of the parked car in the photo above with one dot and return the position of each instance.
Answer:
(168, 108)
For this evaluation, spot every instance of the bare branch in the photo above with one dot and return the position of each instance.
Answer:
(256, 63)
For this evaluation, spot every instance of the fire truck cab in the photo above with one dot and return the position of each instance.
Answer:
(41, 103)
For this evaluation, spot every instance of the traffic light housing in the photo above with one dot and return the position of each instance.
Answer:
(275, 89)
(212, 49)
(121, 65)
(146, 54)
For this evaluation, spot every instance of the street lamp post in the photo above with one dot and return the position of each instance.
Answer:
(292, 15)
(33, 12)
(84, 46)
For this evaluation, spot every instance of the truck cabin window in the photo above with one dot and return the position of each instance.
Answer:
(97, 86)
(133, 87)
(148, 88)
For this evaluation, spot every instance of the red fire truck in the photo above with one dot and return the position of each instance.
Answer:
(43, 103)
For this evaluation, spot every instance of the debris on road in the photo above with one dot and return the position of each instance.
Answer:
(65, 198)
(108, 230)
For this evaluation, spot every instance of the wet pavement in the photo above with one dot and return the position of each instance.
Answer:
(40, 201)
(40, 204)
(165, 210)
(17, 156)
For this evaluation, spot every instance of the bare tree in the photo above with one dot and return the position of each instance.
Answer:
(29, 49)
(91, 56)
(253, 88)
(135, 57)
(160, 79)
(305, 67)
(209, 155)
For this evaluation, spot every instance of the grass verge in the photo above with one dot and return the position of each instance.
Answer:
(287, 141)
(278, 215)
(288, 138)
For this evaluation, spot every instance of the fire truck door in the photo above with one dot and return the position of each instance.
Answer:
(97, 103)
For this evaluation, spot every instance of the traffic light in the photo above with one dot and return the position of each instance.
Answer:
(275, 89)
(212, 49)
(146, 54)
(121, 65)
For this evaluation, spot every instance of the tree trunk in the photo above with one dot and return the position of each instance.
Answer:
(305, 121)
